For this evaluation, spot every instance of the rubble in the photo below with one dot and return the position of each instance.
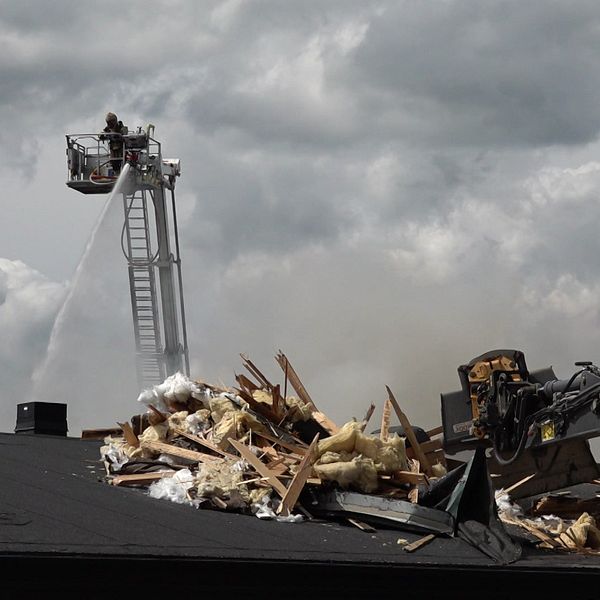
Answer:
(258, 450)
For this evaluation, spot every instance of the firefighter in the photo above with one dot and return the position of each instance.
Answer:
(114, 131)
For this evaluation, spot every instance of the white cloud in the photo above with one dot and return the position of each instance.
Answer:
(27, 312)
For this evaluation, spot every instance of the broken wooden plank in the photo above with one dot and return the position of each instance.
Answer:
(419, 543)
(367, 417)
(246, 383)
(538, 533)
(410, 434)
(325, 422)
(129, 435)
(519, 483)
(141, 478)
(294, 380)
(163, 447)
(254, 370)
(202, 442)
(262, 408)
(435, 431)
(279, 407)
(408, 477)
(259, 466)
(427, 447)
(385, 420)
(302, 474)
(219, 503)
(360, 525)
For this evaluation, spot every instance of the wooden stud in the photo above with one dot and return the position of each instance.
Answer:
(410, 434)
(302, 474)
(435, 431)
(165, 448)
(259, 466)
(253, 369)
(325, 422)
(294, 380)
(128, 434)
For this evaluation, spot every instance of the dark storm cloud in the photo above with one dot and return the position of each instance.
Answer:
(498, 73)
(383, 189)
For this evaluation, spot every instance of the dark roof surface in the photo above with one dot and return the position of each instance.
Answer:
(54, 503)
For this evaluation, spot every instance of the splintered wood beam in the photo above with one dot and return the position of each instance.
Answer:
(165, 448)
(260, 407)
(294, 380)
(141, 478)
(253, 369)
(246, 383)
(202, 442)
(278, 404)
(367, 416)
(259, 466)
(435, 431)
(129, 435)
(302, 474)
(385, 420)
(410, 434)
(325, 422)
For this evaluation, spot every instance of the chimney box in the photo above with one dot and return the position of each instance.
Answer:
(48, 418)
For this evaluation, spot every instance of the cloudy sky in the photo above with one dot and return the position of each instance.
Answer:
(383, 190)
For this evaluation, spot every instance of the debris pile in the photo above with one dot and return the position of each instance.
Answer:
(258, 450)
(558, 521)
(255, 448)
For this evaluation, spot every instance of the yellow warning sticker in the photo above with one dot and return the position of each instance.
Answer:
(548, 431)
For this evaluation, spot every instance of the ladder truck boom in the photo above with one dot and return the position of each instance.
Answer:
(150, 240)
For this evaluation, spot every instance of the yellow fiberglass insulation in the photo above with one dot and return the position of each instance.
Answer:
(583, 533)
(220, 479)
(343, 441)
(219, 406)
(358, 473)
(234, 424)
(354, 459)
(155, 433)
(263, 397)
(177, 421)
(388, 456)
(298, 410)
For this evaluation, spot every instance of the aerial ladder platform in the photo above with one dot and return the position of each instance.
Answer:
(145, 181)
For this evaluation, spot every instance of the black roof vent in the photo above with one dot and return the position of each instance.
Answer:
(49, 418)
